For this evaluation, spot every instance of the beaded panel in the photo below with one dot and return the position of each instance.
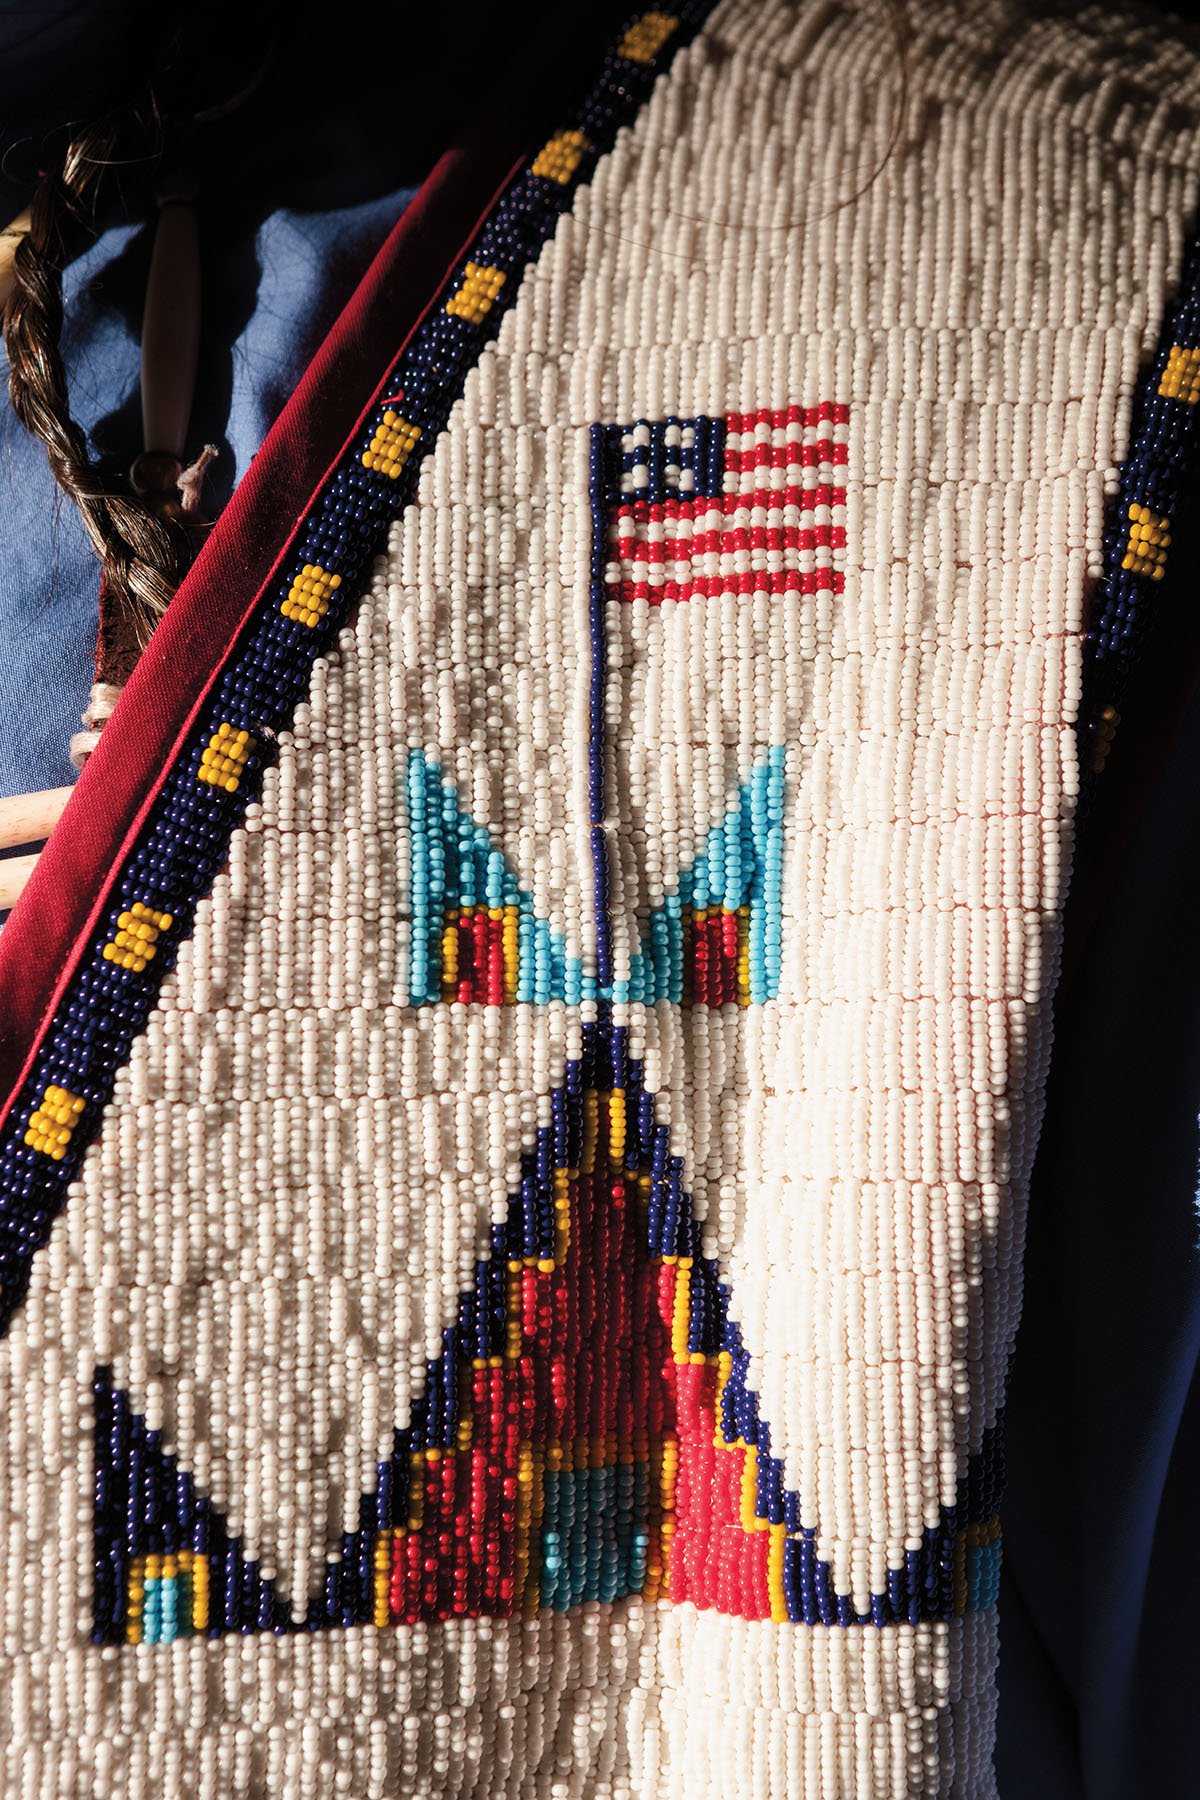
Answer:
(575, 1167)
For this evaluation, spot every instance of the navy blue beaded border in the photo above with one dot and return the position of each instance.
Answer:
(1162, 465)
(186, 835)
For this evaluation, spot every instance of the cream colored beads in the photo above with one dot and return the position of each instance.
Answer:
(841, 667)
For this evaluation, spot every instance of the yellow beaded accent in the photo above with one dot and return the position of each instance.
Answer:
(392, 445)
(383, 1574)
(1106, 731)
(308, 596)
(138, 932)
(188, 1567)
(196, 1566)
(681, 1316)
(450, 953)
(562, 1214)
(591, 1122)
(743, 956)
(50, 1128)
(646, 37)
(668, 1471)
(749, 1494)
(616, 1127)
(1181, 377)
(1149, 540)
(530, 1508)
(416, 1491)
(509, 944)
(776, 1555)
(135, 1600)
(559, 159)
(223, 763)
(475, 297)
(514, 1337)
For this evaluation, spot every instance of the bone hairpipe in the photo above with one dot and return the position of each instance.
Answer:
(28, 818)
(14, 873)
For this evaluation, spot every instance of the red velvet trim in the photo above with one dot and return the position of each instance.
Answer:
(53, 920)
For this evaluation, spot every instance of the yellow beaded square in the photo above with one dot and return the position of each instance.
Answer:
(138, 931)
(1181, 377)
(223, 762)
(475, 297)
(559, 159)
(392, 445)
(646, 36)
(50, 1128)
(308, 596)
(1106, 731)
(1149, 540)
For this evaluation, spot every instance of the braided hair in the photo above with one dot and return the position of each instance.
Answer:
(144, 548)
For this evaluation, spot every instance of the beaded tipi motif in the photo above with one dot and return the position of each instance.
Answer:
(589, 1431)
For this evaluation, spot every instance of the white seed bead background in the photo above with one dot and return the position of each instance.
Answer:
(299, 1167)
